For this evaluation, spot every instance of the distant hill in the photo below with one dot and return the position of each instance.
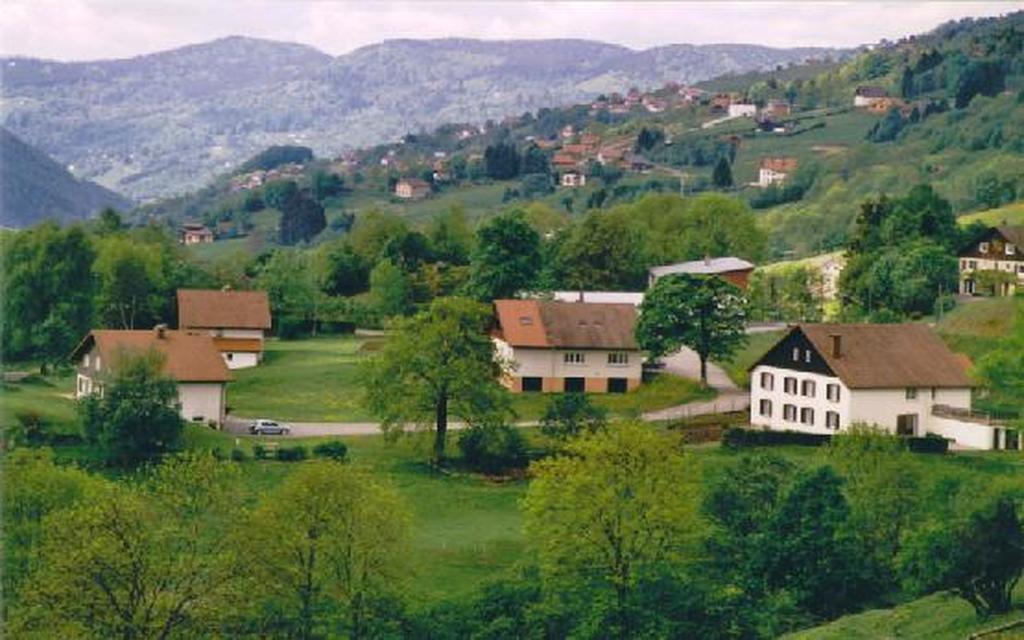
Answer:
(35, 187)
(165, 123)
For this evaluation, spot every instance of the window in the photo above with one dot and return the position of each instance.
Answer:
(765, 408)
(983, 247)
(832, 392)
(911, 393)
(230, 356)
(789, 412)
(525, 320)
(963, 264)
(973, 264)
(789, 385)
(808, 388)
(574, 385)
(618, 385)
(618, 359)
(532, 384)
(767, 381)
(573, 357)
(933, 393)
(86, 360)
(796, 354)
(1010, 249)
(832, 420)
(807, 356)
(99, 363)
(807, 416)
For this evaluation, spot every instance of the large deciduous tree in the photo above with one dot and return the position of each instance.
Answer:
(131, 283)
(436, 363)
(706, 314)
(506, 259)
(618, 510)
(331, 542)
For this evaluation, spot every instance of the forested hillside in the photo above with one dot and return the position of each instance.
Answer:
(34, 187)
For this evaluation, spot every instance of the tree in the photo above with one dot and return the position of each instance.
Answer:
(131, 563)
(290, 280)
(706, 314)
(618, 509)
(535, 161)
(506, 259)
(276, 156)
(326, 185)
(109, 221)
(137, 417)
(977, 552)
(302, 218)
(131, 283)
(343, 272)
(438, 362)
(604, 252)
(332, 542)
(450, 237)
(390, 289)
(501, 161)
(571, 414)
(276, 193)
(721, 176)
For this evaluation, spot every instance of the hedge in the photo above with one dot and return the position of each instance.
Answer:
(737, 438)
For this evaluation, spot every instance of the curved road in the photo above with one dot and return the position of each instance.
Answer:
(683, 363)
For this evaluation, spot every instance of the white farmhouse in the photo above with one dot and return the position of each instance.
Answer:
(237, 320)
(823, 378)
(742, 110)
(190, 358)
(553, 346)
(995, 263)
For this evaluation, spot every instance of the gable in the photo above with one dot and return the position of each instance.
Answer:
(795, 342)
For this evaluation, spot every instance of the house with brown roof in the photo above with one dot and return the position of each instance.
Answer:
(556, 346)
(867, 95)
(236, 320)
(824, 378)
(191, 359)
(994, 265)
(735, 270)
(412, 189)
(195, 233)
(775, 170)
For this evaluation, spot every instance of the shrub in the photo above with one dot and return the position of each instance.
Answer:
(335, 450)
(259, 452)
(930, 443)
(569, 414)
(737, 438)
(493, 449)
(238, 455)
(292, 454)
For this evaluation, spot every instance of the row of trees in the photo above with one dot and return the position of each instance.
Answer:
(628, 536)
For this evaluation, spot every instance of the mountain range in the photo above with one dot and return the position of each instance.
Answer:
(165, 123)
(33, 187)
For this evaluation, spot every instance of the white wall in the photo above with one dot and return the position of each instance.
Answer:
(966, 434)
(202, 399)
(778, 396)
(240, 359)
(549, 363)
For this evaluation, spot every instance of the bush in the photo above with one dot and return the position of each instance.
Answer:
(493, 449)
(569, 414)
(259, 452)
(930, 443)
(238, 455)
(737, 438)
(335, 450)
(292, 454)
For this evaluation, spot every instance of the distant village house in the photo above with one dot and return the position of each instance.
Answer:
(195, 233)
(994, 265)
(734, 270)
(866, 95)
(775, 170)
(573, 180)
(412, 189)
(568, 346)
(742, 110)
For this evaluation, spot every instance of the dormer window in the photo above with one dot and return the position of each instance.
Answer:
(983, 247)
(527, 320)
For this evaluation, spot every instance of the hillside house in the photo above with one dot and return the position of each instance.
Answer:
(775, 170)
(735, 270)
(237, 321)
(882, 106)
(567, 346)
(637, 163)
(866, 95)
(776, 109)
(691, 94)
(721, 101)
(567, 162)
(994, 264)
(742, 110)
(824, 378)
(574, 180)
(195, 233)
(412, 189)
(191, 359)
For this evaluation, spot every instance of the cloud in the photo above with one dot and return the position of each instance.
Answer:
(91, 29)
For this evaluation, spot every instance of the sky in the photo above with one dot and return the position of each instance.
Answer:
(100, 29)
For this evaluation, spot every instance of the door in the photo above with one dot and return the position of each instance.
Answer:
(617, 385)
(532, 384)
(906, 424)
(575, 385)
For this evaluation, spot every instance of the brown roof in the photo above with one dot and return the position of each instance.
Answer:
(780, 164)
(888, 355)
(215, 309)
(188, 356)
(1013, 233)
(577, 325)
(241, 345)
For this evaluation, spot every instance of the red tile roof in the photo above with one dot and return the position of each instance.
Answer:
(579, 325)
(188, 356)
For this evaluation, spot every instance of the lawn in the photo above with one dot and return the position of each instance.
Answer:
(664, 391)
(976, 328)
(49, 398)
(311, 380)
(1011, 213)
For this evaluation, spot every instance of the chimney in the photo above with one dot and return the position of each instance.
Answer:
(837, 345)
(161, 331)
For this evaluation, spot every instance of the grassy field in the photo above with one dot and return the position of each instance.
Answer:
(1011, 213)
(936, 617)
(48, 398)
(757, 345)
(975, 328)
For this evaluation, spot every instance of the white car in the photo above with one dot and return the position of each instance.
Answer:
(263, 427)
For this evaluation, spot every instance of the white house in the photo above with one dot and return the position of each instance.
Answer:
(190, 358)
(742, 110)
(995, 263)
(823, 378)
(867, 95)
(775, 170)
(554, 346)
(237, 320)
